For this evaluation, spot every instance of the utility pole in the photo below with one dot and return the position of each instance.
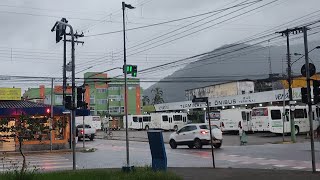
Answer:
(83, 126)
(58, 26)
(305, 29)
(291, 114)
(51, 114)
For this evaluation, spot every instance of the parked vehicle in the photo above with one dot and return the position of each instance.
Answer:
(94, 121)
(271, 119)
(215, 118)
(231, 119)
(196, 135)
(138, 122)
(168, 121)
(86, 132)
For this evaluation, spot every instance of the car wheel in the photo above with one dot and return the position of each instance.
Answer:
(197, 143)
(173, 144)
(191, 146)
(91, 137)
(218, 145)
(296, 130)
(147, 127)
(175, 128)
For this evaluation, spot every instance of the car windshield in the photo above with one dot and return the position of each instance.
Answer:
(207, 127)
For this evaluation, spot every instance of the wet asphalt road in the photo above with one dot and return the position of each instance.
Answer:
(112, 154)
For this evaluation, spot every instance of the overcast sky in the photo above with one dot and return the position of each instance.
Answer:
(28, 46)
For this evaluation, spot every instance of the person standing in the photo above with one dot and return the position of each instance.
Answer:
(77, 135)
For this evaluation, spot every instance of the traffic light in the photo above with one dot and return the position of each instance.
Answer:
(85, 105)
(134, 70)
(129, 69)
(68, 103)
(80, 92)
(304, 95)
(48, 112)
(316, 91)
(59, 32)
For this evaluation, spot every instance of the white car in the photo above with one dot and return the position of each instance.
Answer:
(196, 135)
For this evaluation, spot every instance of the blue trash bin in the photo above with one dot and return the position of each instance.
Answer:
(158, 151)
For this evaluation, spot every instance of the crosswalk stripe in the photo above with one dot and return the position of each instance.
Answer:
(298, 167)
(35, 160)
(34, 164)
(41, 162)
(280, 165)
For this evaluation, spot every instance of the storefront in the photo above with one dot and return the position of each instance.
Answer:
(31, 122)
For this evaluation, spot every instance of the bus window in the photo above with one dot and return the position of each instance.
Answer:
(299, 113)
(135, 119)
(177, 117)
(275, 114)
(140, 119)
(243, 114)
(164, 118)
(184, 119)
(146, 119)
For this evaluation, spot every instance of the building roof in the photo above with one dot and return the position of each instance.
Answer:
(21, 104)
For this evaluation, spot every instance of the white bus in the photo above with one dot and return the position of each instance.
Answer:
(215, 118)
(270, 119)
(232, 118)
(138, 122)
(168, 121)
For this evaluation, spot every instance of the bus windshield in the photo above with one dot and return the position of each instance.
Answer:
(260, 112)
(214, 115)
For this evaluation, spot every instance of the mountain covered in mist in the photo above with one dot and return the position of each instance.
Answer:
(230, 63)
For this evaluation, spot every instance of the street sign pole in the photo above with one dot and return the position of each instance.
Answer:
(205, 100)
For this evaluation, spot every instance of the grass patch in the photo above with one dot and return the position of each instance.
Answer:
(95, 174)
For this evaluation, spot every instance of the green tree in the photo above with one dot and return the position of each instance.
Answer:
(145, 100)
(158, 93)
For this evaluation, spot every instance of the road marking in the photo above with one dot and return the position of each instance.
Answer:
(298, 167)
(232, 155)
(259, 158)
(280, 165)
(245, 162)
(231, 160)
(318, 170)
(265, 163)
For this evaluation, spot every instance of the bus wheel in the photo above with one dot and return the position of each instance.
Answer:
(175, 128)
(147, 127)
(296, 130)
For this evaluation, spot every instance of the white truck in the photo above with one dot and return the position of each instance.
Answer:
(94, 121)
(86, 132)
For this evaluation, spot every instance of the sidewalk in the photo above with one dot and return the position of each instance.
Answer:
(238, 174)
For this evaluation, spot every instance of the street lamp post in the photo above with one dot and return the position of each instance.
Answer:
(124, 5)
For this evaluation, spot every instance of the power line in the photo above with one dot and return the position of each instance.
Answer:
(171, 21)
(162, 35)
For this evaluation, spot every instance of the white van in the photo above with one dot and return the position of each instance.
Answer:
(168, 121)
(276, 119)
(232, 118)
